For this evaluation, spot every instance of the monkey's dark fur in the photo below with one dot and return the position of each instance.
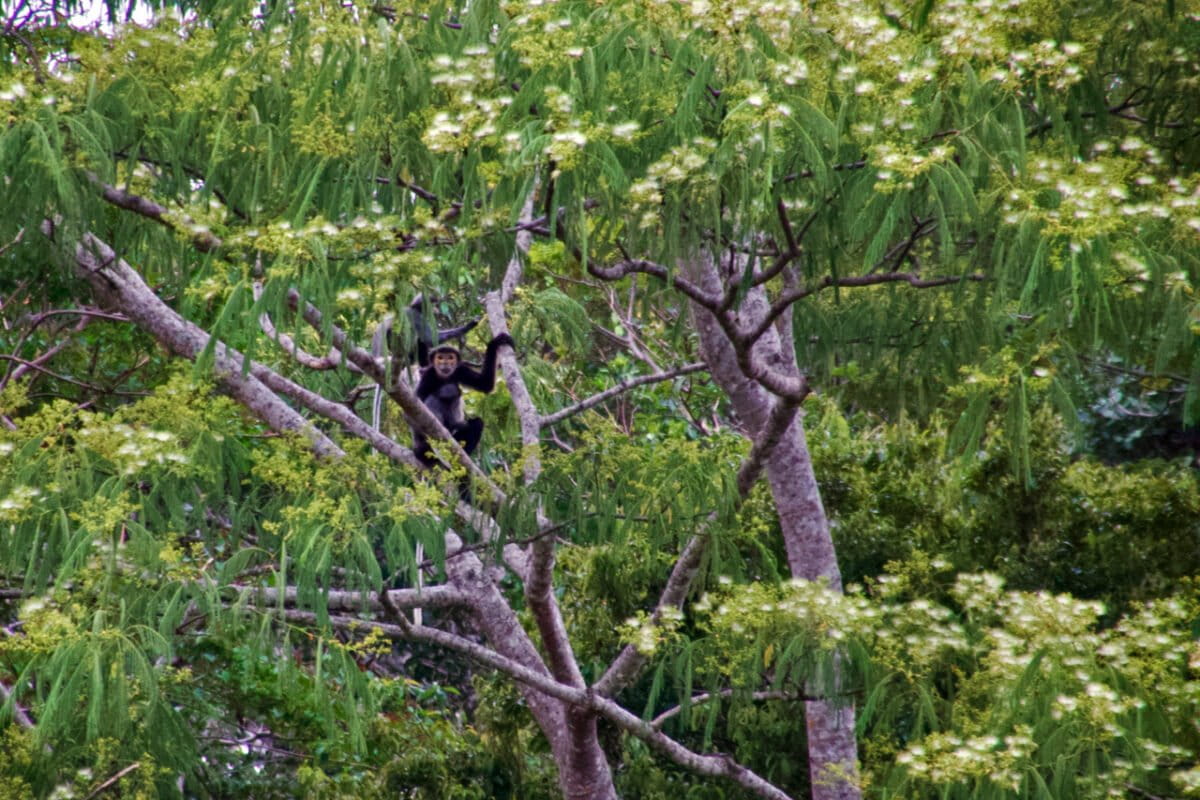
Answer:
(441, 392)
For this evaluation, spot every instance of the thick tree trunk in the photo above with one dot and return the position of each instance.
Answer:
(832, 748)
(583, 771)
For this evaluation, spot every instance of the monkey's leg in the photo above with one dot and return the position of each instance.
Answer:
(469, 433)
(424, 452)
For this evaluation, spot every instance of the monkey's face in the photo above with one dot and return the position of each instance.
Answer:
(444, 364)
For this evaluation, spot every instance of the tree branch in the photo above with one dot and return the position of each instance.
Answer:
(331, 361)
(808, 173)
(783, 412)
(705, 697)
(112, 278)
(718, 305)
(111, 782)
(717, 766)
(627, 267)
(35, 321)
(623, 386)
(539, 580)
(791, 296)
(440, 596)
(494, 304)
(202, 239)
(898, 252)
(20, 716)
(629, 662)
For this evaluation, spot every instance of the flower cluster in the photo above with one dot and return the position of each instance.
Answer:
(676, 167)
(944, 758)
(18, 501)
(469, 114)
(134, 449)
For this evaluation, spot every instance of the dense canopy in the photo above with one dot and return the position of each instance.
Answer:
(843, 335)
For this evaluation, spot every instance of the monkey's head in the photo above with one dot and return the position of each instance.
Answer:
(444, 360)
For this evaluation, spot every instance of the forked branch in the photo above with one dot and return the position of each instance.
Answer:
(717, 766)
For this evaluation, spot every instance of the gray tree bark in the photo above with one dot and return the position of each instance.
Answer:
(832, 747)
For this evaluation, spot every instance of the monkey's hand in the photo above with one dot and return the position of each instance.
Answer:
(503, 338)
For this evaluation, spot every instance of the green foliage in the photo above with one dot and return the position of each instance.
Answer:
(1038, 159)
(998, 694)
(16, 757)
(1115, 533)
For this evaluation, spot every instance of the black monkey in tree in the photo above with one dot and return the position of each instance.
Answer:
(404, 350)
(440, 389)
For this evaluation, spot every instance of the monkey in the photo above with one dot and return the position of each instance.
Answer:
(442, 394)
(403, 353)
(440, 389)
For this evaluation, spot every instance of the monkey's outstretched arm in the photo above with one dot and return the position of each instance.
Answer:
(457, 333)
(485, 379)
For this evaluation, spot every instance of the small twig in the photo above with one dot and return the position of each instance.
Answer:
(16, 241)
(108, 784)
(21, 717)
(90, 387)
(787, 298)
(705, 697)
(808, 173)
(623, 386)
(786, 224)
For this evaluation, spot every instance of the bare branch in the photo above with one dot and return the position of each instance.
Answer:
(111, 782)
(629, 662)
(16, 241)
(705, 697)
(34, 365)
(494, 303)
(35, 321)
(331, 361)
(202, 239)
(539, 593)
(718, 305)
(899, 252)
(623, 386)
(631, 340)
(623, 268)
(793, 245)
(524, 239)
(112, 278)
(808, 173)
(424, 194)
(792, 253)
(539, 579)
(338, 600)
(791, 296)
(335, 412)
